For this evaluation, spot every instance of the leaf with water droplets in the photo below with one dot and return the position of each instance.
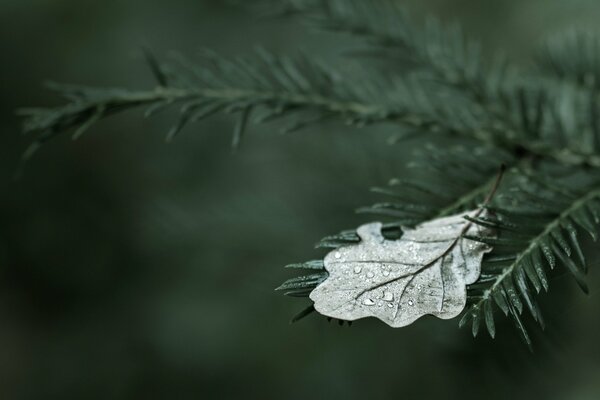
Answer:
(426, 271)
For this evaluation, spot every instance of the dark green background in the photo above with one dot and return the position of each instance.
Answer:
(132, 269)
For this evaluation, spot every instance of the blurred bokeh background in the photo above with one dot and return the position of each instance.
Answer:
(132, 269)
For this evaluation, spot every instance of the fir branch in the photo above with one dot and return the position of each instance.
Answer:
(451, 59)
(439, 51)
(562, 117)
(267, 87)
(443, 50)
(573, 56)
(529, 234)
(270, 88)
(481, 105)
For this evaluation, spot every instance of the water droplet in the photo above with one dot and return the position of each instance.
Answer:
(380, 303)
(337, 254)
(370, 274)
(390, 305)
(368, 302)
(388, 296)
(419, 288)
(411, 302)
(386, 273)
(357, 270)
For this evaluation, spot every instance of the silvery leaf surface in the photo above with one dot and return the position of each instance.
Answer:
(426, 271)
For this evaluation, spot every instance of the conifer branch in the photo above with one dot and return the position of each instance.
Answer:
(528, 236)
(269, 88)
(572, 56)
(450, 58)
(483, 104)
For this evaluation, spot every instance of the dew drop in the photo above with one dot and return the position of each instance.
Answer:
(386, 273)
(390, 305)
(411, 302)
(388, 296)
(337, 254)
(357, 270)
(370, 274)
(368, 302)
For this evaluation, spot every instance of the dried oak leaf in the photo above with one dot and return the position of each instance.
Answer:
(426, 271)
